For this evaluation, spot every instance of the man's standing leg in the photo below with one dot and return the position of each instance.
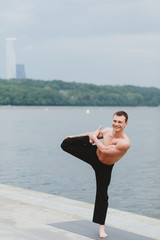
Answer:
(103, 177)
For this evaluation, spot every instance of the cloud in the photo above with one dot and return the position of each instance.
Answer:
(81, 18)
(85, 40)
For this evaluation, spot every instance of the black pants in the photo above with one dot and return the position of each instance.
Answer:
(81, 148)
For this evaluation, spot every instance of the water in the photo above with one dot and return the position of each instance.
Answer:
(31, 157)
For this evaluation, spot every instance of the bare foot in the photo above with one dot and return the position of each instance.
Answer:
(102, 233)
(91, 141)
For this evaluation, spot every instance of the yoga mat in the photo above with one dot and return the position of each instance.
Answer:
(90, 229)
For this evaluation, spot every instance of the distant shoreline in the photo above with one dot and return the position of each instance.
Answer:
(85, 107)
(28, 92)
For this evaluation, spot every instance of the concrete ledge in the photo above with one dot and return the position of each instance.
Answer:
(27, 214)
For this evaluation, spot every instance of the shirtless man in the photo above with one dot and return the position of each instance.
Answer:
(101, 156)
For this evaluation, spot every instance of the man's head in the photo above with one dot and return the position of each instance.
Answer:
(122, 113)
(120, 120)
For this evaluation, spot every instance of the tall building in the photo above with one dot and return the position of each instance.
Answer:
(20, 71)
(10, 58)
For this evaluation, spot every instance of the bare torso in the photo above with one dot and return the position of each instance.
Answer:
(117, 146)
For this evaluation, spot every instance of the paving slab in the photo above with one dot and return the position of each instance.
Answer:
(30, 215)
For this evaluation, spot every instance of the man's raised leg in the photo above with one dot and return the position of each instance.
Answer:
(79, 147)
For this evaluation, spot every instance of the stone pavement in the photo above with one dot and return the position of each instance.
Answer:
(30, 215)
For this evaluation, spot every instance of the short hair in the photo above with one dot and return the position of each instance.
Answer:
(122, 113)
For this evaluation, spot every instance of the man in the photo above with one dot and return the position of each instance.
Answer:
(101, 156)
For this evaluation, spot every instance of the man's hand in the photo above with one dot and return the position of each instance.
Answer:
(98, 131)
(92, 136)
(95, 134)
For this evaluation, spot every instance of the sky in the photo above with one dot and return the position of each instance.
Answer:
(104, 42)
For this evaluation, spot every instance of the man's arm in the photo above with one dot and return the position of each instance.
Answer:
(111, 153)
(97, 133)
(79, 135)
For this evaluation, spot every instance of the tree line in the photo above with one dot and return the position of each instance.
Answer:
(29, 92)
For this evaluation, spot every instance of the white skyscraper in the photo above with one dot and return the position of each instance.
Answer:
(10, 58)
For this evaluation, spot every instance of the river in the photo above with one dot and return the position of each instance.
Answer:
(31, 157)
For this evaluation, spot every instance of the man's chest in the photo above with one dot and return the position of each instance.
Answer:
(108, 140)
